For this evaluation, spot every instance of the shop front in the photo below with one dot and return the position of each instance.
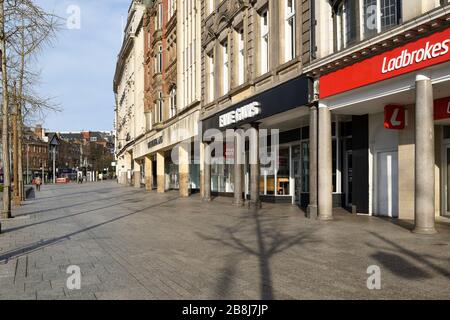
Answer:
(168, 159)
(282, 112)
(395, 109)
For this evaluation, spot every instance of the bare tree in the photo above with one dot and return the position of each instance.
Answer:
(25, 29)
(32, 30)
(6, 210)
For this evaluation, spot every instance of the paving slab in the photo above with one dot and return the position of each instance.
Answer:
(133, 244)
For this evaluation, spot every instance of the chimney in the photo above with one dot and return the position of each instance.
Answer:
(39, 131)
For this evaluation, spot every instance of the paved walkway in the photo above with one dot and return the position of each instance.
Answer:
(130, 244)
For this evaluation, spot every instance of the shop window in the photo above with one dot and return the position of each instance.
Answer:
(305, 167)
(446, 132)
(222, 178)
(172, 174)
(283, 181)
(267, 180)
(334, 156)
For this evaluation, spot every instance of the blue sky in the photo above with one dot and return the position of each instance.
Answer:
(78, 69)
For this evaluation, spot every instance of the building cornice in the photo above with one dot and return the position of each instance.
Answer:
(420, 27)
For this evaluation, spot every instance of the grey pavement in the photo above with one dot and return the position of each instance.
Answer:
(131, 244)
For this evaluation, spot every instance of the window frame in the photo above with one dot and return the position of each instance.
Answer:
(225, 67)
(290, 31)
(240, 62)
(264, 40)
(211, 75)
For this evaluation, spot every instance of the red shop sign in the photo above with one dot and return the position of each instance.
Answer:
(394, 117)
(413, 56)
(442, 109)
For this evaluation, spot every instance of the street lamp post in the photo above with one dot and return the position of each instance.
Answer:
(54, 167)
(28, 172)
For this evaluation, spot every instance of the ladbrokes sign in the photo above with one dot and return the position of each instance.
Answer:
(411, 57)
(407, 58)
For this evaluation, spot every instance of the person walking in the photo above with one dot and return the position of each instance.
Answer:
(38, 183)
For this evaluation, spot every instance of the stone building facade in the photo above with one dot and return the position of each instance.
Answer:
(305, 72)
(383, 73)
(129, 94)
(252, 52)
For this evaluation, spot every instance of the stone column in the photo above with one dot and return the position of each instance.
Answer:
(202, 170)
(183, 169)
(137, 174)
(239, 151)
(255, 202)
(425, 159)
(160, 172)
(275, 39)
(325, 185)
(207, 174)
(148, 173)
(312, 207)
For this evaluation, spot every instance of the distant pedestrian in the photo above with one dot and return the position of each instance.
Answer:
(80, 177)
(38, 183)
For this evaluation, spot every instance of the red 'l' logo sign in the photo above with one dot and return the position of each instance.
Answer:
(442, 109)
(394, 117)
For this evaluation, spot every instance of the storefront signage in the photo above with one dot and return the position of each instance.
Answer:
(286, 96)
(248, 111)
(155, 142)
(423, 53)
(394, 117)
(442, 109)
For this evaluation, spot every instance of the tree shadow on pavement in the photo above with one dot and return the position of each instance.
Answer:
(400, 266)
(5, 257)
(264, 241)
(60, 218)
(388, 256)
(70, 206)
(105, 190)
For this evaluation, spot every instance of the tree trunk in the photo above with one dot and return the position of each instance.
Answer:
(20, 153)
(15, 141)
(20, 119)
(6, 211)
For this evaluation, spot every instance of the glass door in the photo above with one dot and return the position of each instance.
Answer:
(296, 169)
(446, 189)
(348, 178)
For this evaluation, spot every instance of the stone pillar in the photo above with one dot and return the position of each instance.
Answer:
(275, 39)
(137, 174)
(255, 202)
(183, 168)
(207, 174)
(148, 173)
(239, 151)
(425, 159)
(161, 172)
(325, 185)
(312, 207)
(202, 170)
